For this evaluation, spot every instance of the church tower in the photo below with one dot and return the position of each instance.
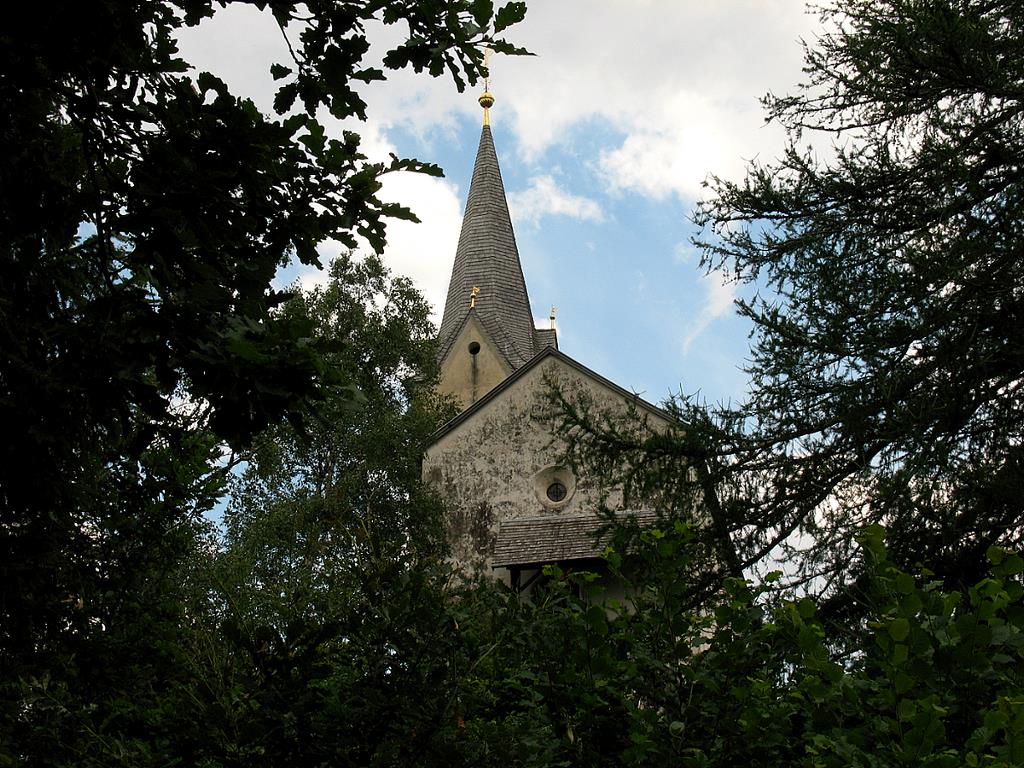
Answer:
(487, 330)
(513, 501)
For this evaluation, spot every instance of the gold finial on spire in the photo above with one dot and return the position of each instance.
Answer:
(487, 98)
(473, 293)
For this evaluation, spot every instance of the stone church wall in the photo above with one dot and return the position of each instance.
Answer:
(501, 460)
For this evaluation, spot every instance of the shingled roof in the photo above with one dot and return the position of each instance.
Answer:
(543, 539)
(487, 258)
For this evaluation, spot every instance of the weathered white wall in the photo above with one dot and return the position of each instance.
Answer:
(498, 463)
(469, 377)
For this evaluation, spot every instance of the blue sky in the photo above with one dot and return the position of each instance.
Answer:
(604, 138)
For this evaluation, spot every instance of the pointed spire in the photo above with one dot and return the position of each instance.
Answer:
(487, 264)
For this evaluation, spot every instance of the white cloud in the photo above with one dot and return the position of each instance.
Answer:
(720, 293)
(238, 45)
(424, 251)
(676, 154)
(677, 82)
(545, 198)
(309, 277)
(685, 253)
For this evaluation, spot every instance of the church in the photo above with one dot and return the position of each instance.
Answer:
(514, 503)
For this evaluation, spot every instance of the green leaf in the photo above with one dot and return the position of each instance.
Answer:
(899, 629)
(501, 46)
(905, 583)
(899, 654)
(1012, 566)
(210, 82)
(509, 14)
(369, 75)
(806, 608)
(906, 709)
(482, 10)
(416, 166)
(285, 97)
(995, 554)
(903, 682)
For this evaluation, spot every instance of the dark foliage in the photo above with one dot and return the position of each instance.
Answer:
(143, 214)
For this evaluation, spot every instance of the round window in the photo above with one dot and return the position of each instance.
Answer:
(556, 491)
(554, 486)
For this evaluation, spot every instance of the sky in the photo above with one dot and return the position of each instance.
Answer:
(604, 137)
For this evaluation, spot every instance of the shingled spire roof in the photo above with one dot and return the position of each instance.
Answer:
(487, 258)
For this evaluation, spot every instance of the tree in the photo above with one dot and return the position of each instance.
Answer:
(143, 214)
(934, 680)
(552, 678)
(888, 355)
(316, 508)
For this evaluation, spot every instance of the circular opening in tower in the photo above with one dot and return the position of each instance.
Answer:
(474, 347)
(556, 492)
(554, 486)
